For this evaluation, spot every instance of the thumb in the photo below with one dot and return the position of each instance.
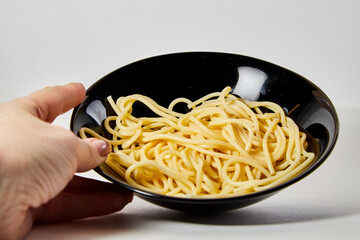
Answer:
(91, 153)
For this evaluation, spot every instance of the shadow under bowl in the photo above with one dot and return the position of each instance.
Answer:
(195, 74)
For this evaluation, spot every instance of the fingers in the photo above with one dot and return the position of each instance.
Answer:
(94, 198)
(91, 153)
(50, 102)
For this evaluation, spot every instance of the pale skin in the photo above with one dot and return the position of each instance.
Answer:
(38, 161)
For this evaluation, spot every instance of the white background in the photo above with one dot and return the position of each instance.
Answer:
(47, 42)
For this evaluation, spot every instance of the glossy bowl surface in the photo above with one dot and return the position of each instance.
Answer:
(195, 74)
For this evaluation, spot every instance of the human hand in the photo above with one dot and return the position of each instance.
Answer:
(38, 162)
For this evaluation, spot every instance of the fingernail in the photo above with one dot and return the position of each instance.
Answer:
(103, 147)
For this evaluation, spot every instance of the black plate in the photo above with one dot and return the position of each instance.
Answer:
(195, 74)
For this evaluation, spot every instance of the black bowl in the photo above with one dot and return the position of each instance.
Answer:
(195, 74)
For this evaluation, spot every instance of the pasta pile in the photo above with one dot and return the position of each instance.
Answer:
(223, 147)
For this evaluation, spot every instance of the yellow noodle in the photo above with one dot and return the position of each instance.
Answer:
(223, 147)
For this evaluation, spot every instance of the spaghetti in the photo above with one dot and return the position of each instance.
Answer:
(223, 147)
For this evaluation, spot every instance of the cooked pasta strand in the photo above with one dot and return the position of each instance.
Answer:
(225, 146)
